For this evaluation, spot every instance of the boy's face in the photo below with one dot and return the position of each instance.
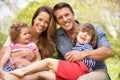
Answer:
(25, 36)
(83, 37)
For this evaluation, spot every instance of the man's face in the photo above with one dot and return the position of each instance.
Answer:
(65, 18)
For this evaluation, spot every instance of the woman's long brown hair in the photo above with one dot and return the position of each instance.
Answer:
(46, 39)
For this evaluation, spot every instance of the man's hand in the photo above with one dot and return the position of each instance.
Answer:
(75, 55)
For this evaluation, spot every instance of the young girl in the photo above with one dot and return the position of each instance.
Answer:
(20, 35)
(85, 36)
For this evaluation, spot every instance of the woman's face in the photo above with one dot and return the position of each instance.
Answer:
(41, 22)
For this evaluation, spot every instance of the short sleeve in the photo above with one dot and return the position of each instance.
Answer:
(33, 46)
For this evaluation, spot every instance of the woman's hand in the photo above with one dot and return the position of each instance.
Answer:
(21, 62)
(29, 54)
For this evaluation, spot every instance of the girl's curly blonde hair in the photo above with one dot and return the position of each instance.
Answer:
(15, 30)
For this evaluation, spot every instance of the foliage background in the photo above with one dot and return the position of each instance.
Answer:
(106, 13)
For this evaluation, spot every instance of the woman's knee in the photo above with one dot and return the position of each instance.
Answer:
(52, 63)
(48, 60)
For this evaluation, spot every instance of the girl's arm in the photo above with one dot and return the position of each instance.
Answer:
(37, 56)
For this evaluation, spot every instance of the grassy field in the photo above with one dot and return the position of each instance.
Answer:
(113, 65)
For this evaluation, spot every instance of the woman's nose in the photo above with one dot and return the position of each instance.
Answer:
(42, 23)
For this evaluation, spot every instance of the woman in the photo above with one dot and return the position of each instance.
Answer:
(43, 33)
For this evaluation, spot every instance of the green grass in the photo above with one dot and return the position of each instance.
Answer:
(113, 65)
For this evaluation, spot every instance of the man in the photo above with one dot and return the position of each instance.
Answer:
(65, 17)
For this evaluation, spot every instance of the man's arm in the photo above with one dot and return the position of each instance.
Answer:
(97, 54)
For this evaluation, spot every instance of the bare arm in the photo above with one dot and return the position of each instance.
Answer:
(97, 54)
(2, 51)
(28, 53)
(5, 56)
(38, 56)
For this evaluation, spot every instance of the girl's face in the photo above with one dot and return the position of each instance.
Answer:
(83, 37)
(41, 22)
(25, 36)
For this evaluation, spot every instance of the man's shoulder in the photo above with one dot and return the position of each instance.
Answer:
(59, 31)
(97, 26)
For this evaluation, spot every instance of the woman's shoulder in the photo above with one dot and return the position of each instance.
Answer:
(7, 42)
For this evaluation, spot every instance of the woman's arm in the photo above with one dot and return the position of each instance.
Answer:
(5, 46)
(27, 53)
(5, 56)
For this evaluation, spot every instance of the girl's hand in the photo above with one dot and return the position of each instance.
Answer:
(22, 62)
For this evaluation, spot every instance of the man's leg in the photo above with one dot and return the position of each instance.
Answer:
(95, 75)
(37, 66)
